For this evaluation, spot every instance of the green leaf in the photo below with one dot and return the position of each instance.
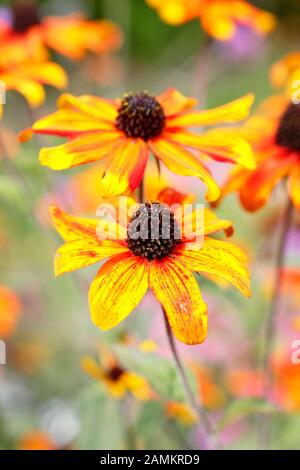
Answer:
(101, 424)
(159, 371)
(244, 407)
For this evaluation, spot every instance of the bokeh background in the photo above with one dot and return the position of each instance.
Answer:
(47, 400)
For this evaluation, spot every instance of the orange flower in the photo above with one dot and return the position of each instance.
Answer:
(245, 383)
(287, 385)
(117, 380)
(211, 395)
(136, 263)
(10, 309)
(37, 440)
(122, 133)
(274, 133)
(219, 18)
(28, 35)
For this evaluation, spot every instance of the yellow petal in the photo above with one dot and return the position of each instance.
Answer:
(220, 258)
(202, 222)
(84, 252)
(92, 368)
(176, 289)
(234, 111)
(220, 144)
(125, 168)
(86, 148)
(48, 73)
(118, 288)
(91, 105)
(184, 163)
(173, 102)
(137, 385)
(67, 123)
(72, 228)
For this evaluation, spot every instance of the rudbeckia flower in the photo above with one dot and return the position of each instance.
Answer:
(122, 133)
(165, 265)
(219, 18)
(116, 379)
(25, 33)
(274, 134)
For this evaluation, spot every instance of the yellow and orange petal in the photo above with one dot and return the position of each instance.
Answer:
(175, 287)
(10, 310)
(117, 289)
(220, 258)
(219, 18)
(80, 35)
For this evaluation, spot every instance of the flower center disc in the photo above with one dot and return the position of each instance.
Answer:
(288, 133)
(140, 115)
(152, 231)
(25, 14)
(115, 373)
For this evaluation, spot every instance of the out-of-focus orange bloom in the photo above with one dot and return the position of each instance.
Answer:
(25, 68)
(287, 385)
(29, 355)
(181, 412)
(28, 35)
(117, 380)
(36, 440)
(10, 310)
(80, 35)
(29, 78)
(164, 266)
(219, 18)
(285, 73)
(122, 133)
(211, 395)
(244, 383)
(275, 136)
(290, 282)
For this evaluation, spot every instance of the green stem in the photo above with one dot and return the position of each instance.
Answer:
(204, 420)
(270, 327)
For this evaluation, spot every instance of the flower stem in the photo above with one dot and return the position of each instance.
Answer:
(277, 290)
(270, 327)
(212, 442)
